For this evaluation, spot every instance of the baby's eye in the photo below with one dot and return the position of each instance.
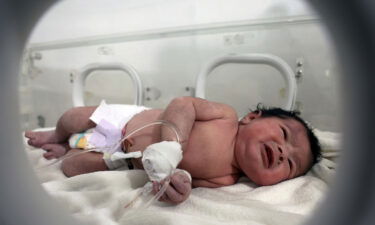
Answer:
(290, 164)
(285, 134)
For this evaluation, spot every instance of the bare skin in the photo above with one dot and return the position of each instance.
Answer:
(217, 149)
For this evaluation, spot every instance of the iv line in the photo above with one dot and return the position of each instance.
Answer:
(165, 185)
(156, 122)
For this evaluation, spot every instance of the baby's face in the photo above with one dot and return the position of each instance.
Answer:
(270, 150)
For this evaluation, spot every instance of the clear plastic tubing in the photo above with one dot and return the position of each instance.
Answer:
(167, 180)
(156, 122)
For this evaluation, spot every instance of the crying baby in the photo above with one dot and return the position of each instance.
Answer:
(204, 140)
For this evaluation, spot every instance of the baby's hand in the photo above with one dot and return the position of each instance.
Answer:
(178, 189)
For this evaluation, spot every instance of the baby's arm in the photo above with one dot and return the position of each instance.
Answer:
(216, 182)
(183, 112)
(181, 185)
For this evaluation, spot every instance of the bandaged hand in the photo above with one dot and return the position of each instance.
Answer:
(160, 159)
(178, 189)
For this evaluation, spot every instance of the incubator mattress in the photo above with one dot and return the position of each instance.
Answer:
(100, 197)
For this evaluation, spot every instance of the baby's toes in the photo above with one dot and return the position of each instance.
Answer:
(57, 149)
(49, 155)
(29, 134)
(30, 142)
(47, 147)
(33, 142)
(33, 139)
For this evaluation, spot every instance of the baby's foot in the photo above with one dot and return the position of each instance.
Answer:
(54, 150)
(39, 138)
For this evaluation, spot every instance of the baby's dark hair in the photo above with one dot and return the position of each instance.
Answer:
(284, 114)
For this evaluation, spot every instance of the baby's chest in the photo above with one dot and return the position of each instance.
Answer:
(210, 152)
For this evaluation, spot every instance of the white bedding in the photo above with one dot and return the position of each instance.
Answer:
(100, 197)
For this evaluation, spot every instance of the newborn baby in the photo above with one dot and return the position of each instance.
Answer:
(266, 145)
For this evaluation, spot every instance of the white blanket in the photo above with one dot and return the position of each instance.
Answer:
(100, 197)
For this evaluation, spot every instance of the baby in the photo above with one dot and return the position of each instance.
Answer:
(267, 145)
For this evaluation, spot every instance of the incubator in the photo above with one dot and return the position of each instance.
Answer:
(237, 52)
(292, 36)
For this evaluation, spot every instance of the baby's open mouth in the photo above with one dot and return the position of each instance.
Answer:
(269, 155)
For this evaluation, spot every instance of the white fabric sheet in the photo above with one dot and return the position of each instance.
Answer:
(100, 197)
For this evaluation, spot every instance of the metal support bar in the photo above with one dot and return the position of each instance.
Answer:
(78, 87)
(182, 31)
(271, 60)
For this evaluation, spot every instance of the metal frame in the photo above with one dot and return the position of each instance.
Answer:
(79, 82)
(210, 28)
(267, 59)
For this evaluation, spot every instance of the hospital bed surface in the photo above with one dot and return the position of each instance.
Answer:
(100, 197)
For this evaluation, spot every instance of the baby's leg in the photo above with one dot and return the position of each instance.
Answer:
(72, 121)
(40, 138)
(55, 150)
(83, 163)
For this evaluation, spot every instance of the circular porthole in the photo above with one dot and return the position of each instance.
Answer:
(351, 201)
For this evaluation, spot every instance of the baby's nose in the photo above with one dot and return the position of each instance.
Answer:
(281, 155)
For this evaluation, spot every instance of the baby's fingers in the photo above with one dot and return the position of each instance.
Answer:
(173, 196)
(156, 186)
(181, 183)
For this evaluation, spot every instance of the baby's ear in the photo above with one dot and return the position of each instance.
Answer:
(250, 116)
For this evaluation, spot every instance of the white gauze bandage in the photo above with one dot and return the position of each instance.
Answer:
(160, 159)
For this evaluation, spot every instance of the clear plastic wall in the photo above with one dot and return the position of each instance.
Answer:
(168, 42)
